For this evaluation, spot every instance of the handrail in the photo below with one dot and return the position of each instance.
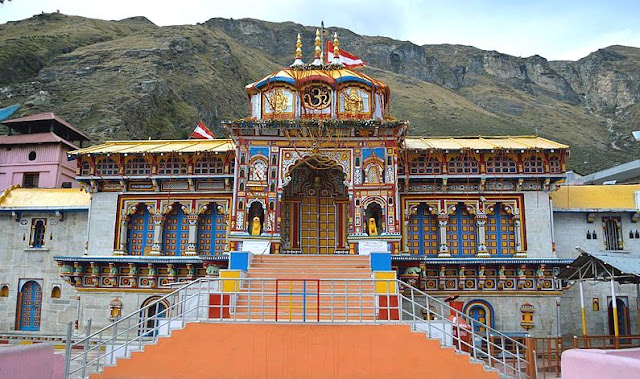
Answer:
(331, 301)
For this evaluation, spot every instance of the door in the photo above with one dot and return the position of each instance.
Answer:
(623, 316)
(29, 306)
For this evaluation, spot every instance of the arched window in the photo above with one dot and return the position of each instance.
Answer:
(55, 292)
(137, 166)
(150, 312)
(106, 166)
(554, 165)
(140, 231)
(373, 173)
(212, 236)
(463, 164)
(38, 230)
(176, 232)
(501, 165)
(422, 233)
(500, 232)
(461, 232)
(423, 165)
(258, 170)
(534, 165)
(4, 291)
(172, 166)
(209, 165)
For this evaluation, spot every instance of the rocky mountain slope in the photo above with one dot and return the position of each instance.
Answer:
(132, 79)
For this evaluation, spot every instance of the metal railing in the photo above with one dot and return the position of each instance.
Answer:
(606, 342)
(298, 301)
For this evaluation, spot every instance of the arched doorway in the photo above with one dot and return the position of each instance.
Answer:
(29, 306)
(314, 210)
(481, 311)
(151, 315)
(623, 316)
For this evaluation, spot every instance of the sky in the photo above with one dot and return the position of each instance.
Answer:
(554, 29)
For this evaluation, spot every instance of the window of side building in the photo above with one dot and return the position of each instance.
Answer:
(30, 180)
(38, 230)
(612, 233)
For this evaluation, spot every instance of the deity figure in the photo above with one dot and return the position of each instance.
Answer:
(353, 102)
(212, 269)
(373, 229)
(255, 226)
(278, 101)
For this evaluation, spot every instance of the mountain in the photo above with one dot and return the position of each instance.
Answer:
(131, 79)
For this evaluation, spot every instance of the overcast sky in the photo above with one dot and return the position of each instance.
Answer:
(555, 29)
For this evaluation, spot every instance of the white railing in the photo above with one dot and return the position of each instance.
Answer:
(297, 301)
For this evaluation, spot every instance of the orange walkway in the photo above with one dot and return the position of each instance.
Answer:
(296, 351)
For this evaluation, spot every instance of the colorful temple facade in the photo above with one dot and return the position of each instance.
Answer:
(321, 167)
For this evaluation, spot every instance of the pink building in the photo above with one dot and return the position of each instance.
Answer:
(37, 157)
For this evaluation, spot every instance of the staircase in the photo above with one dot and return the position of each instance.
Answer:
(274, 328)
(283, 351)
(291, 285)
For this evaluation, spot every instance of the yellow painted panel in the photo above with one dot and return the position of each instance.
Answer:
(619, 196)
(232, 284)
(384, 287)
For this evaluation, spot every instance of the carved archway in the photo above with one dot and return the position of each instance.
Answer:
(314, 211)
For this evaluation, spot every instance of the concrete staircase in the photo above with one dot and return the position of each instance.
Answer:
(283, 351)
(300, 296)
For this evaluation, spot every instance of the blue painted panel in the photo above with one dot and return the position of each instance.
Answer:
(239, 260)
(378, 151)
(275, 80)
(345, 79)
(264, 150)
(380, 261)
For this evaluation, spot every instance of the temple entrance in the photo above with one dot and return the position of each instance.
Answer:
(314, 211)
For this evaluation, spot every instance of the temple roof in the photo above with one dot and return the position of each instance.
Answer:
(158, 146)
(37, 138)
(597, 198)
(46, 122)
(16, 198)
(482, 143)
(330, 76)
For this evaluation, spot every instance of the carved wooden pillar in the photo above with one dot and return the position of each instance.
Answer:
(481, 221)
(158, 223)
(443, 250)
(192, 220)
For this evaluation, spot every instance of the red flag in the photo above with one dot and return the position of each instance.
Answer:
(347, 59)
(202, 132)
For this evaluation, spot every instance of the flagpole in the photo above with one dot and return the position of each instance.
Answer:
(322, 37)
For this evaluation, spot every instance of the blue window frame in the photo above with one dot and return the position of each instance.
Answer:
(500, 233)
(461, 232)
(211, 232)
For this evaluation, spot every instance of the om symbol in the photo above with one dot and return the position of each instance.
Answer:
(317, 97)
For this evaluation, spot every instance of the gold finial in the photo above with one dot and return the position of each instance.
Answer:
(318, 51)
(298, 61)
(299, 47)
(336, 44)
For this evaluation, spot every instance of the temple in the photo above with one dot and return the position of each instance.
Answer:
(320, 167)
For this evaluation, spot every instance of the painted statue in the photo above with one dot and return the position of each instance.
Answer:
(373, 229)
(255, 226)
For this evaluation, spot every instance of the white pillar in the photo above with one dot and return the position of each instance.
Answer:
(481, 221)
(192, 220)
(158, 221)
(443, 250)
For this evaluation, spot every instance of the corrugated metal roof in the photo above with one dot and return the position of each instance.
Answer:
(158, 146)
(44, 198)
(482, 143)
(596, 197)
(625, 268)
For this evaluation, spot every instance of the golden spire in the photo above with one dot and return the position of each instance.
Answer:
(336, 50)
(318, 51)
(298, 61)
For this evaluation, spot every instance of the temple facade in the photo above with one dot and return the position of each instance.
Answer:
(318, 167)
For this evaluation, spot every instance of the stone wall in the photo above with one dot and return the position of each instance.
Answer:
(19, 263)
(538, 224)
(102, 223)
